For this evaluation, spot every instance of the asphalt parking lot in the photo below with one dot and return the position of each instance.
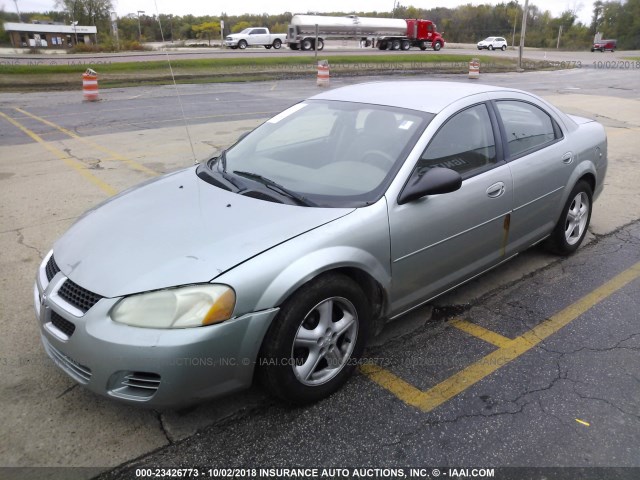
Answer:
(514, 377)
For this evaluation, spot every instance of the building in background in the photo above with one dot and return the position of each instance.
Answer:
(49, 35)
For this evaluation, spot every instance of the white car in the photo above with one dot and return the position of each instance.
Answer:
(493, 43)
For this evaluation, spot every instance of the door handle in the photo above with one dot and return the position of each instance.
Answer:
(496, 190)
(567, 158)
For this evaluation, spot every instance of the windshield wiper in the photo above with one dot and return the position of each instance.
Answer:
(222, 160)
(276, 186)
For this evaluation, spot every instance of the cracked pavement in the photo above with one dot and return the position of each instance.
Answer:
(527, 413)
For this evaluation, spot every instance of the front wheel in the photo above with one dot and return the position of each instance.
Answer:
(277, 43)
(490, 47)
(268, 47)
(311, 348)
(437, 46)
(574, 221)
(242, 44)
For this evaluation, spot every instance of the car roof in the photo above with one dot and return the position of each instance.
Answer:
(431, 97)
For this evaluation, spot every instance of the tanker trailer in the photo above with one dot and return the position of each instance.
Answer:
(383, 33)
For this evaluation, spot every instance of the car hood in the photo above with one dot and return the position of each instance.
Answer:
(175, 230)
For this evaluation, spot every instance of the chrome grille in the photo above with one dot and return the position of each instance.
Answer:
(81, 373)
(62, 324)
(51, 268)
(77, 296)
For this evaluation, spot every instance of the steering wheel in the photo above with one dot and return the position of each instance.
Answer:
(377, 158)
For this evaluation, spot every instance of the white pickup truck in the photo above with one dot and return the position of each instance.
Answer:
(259, 36)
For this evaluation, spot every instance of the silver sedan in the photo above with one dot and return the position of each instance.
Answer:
(276, 259)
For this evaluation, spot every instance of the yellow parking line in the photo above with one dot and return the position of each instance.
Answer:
(480, 332)
(115, 155)
(78, 166)
(452, 386)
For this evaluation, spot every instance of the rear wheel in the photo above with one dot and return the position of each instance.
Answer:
(406, 45)
(382, 45)
(423, 46)
(306, 44)
(503, 48)
(267, 47)
(294, 46)
(395, 44)
(574, 221)
(277, 43)
(310, 349)
(320, 44)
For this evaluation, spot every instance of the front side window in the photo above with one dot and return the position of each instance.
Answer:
(527, 127)
(465, 143)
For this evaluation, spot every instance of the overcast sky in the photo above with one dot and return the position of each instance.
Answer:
(237, 7)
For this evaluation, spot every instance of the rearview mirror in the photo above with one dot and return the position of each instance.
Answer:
(434, 181)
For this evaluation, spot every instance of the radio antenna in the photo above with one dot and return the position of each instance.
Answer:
(175, 85)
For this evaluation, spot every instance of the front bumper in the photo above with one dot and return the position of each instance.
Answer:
(231, 43)
(143, 366)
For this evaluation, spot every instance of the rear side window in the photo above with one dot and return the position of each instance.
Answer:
(527, 127)
(464, 144)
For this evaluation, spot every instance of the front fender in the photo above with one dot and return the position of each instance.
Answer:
(357, 240)
(315, 263)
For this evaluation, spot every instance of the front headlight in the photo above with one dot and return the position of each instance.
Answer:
(184, 307)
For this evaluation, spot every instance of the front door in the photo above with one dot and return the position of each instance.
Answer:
(440, 240)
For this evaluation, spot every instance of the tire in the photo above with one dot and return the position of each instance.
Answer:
(294, 46)
(242, 44)
(572, 227)
(306, 44)
(479, 48)
(423, 46)
(383, 45)
(320, 44)
(405, 45)
(277, 43)
(503, 48)
(592, 50)
(490, 47)
(395, 44)
(437, 46)
(268, 47)
(310, 325)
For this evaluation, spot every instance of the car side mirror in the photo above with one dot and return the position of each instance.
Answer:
(434, 181)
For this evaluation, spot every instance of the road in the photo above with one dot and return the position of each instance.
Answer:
(60, 156)
(349, 48)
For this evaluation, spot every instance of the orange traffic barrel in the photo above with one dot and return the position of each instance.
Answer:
(474, 68)
(323, 73)
(90, 85)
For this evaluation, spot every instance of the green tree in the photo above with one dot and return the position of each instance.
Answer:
(207, 30)
(238, 27)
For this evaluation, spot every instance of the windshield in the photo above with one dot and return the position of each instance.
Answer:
(328, 153)
(245, 31)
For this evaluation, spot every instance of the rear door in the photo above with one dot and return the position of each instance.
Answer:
(541, 163)
(258, 36)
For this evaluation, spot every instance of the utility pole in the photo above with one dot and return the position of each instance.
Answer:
(140, 28)
(559, 33)
(522, 34)
(18, 10)
(515, 22)
(114, 28)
